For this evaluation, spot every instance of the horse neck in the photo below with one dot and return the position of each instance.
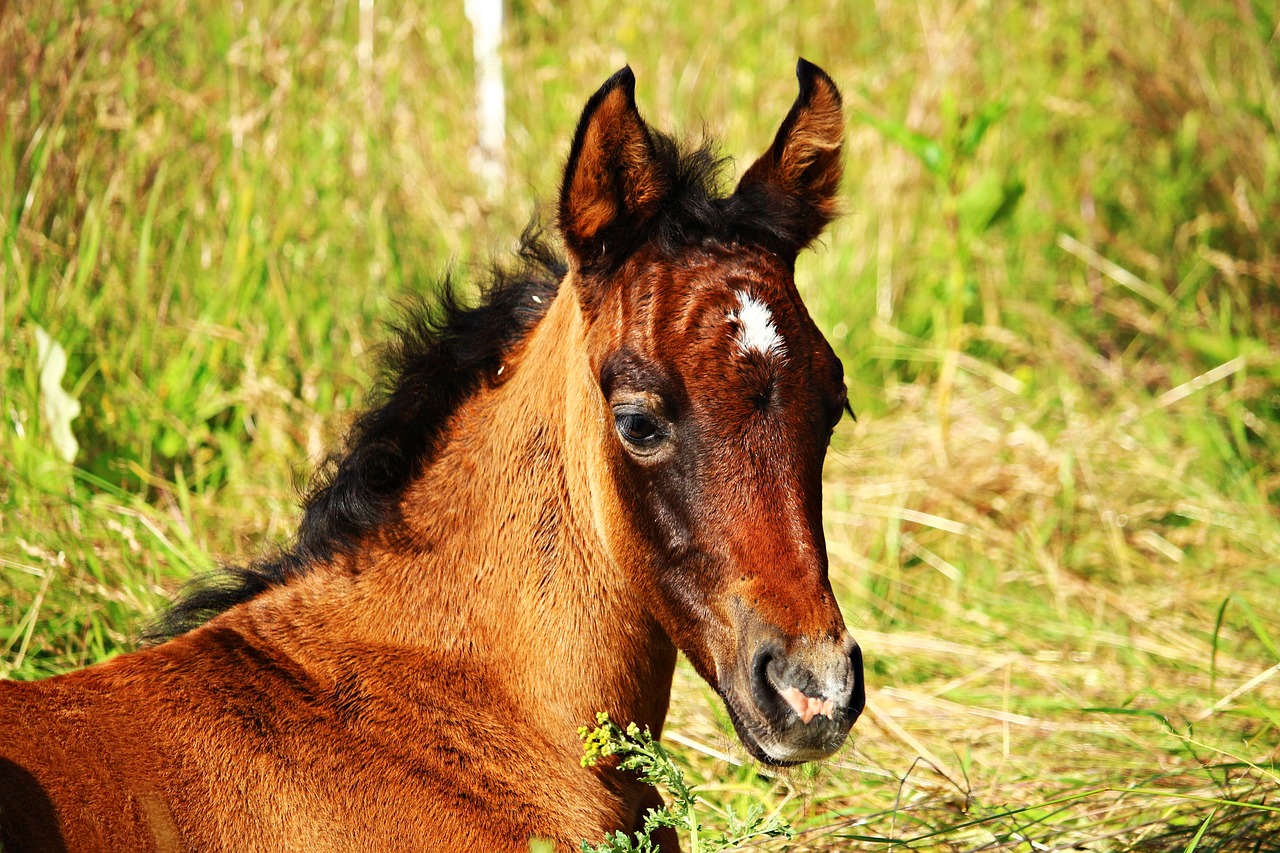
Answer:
(498, 554)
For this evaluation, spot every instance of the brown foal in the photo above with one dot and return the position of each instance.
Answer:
(604, 461)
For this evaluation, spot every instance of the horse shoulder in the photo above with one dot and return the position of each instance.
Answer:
(485, 769)
(73, 777)
(230, 739)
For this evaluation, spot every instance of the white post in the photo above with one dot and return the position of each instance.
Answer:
(487, 158)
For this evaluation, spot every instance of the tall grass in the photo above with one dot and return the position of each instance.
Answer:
(1055, 290)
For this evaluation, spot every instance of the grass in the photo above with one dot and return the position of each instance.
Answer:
(1056, 292)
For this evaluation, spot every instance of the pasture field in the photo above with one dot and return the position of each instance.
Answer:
(1056, 291)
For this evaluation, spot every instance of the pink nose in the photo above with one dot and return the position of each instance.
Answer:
(807, 707)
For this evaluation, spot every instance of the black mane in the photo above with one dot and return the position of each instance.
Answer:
(443, 353)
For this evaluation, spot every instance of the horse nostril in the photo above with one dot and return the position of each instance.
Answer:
(858, 699)
(764, 665)
(760, 667)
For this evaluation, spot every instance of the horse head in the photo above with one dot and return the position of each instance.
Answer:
(712, 398)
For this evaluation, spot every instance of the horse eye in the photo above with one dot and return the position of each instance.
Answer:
(637, 428)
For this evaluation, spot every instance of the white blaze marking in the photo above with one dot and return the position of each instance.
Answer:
(756, 331)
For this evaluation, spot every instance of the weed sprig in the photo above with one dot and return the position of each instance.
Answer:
(637, 750)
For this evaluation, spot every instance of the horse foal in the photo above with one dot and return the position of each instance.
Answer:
(607, 459)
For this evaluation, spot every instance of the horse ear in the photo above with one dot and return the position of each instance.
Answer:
(799, 175)
(613, 182)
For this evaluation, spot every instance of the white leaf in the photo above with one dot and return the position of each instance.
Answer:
(59, 407)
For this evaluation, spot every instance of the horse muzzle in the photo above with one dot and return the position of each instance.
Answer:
(797, 701)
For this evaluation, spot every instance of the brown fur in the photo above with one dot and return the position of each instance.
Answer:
(422, 689)
(616, 163)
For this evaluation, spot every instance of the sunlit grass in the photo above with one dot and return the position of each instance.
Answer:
(1055, 291)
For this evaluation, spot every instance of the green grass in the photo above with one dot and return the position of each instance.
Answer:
(1056, 291)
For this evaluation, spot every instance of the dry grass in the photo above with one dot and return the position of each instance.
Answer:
(1054, 526)
(1048, 680)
